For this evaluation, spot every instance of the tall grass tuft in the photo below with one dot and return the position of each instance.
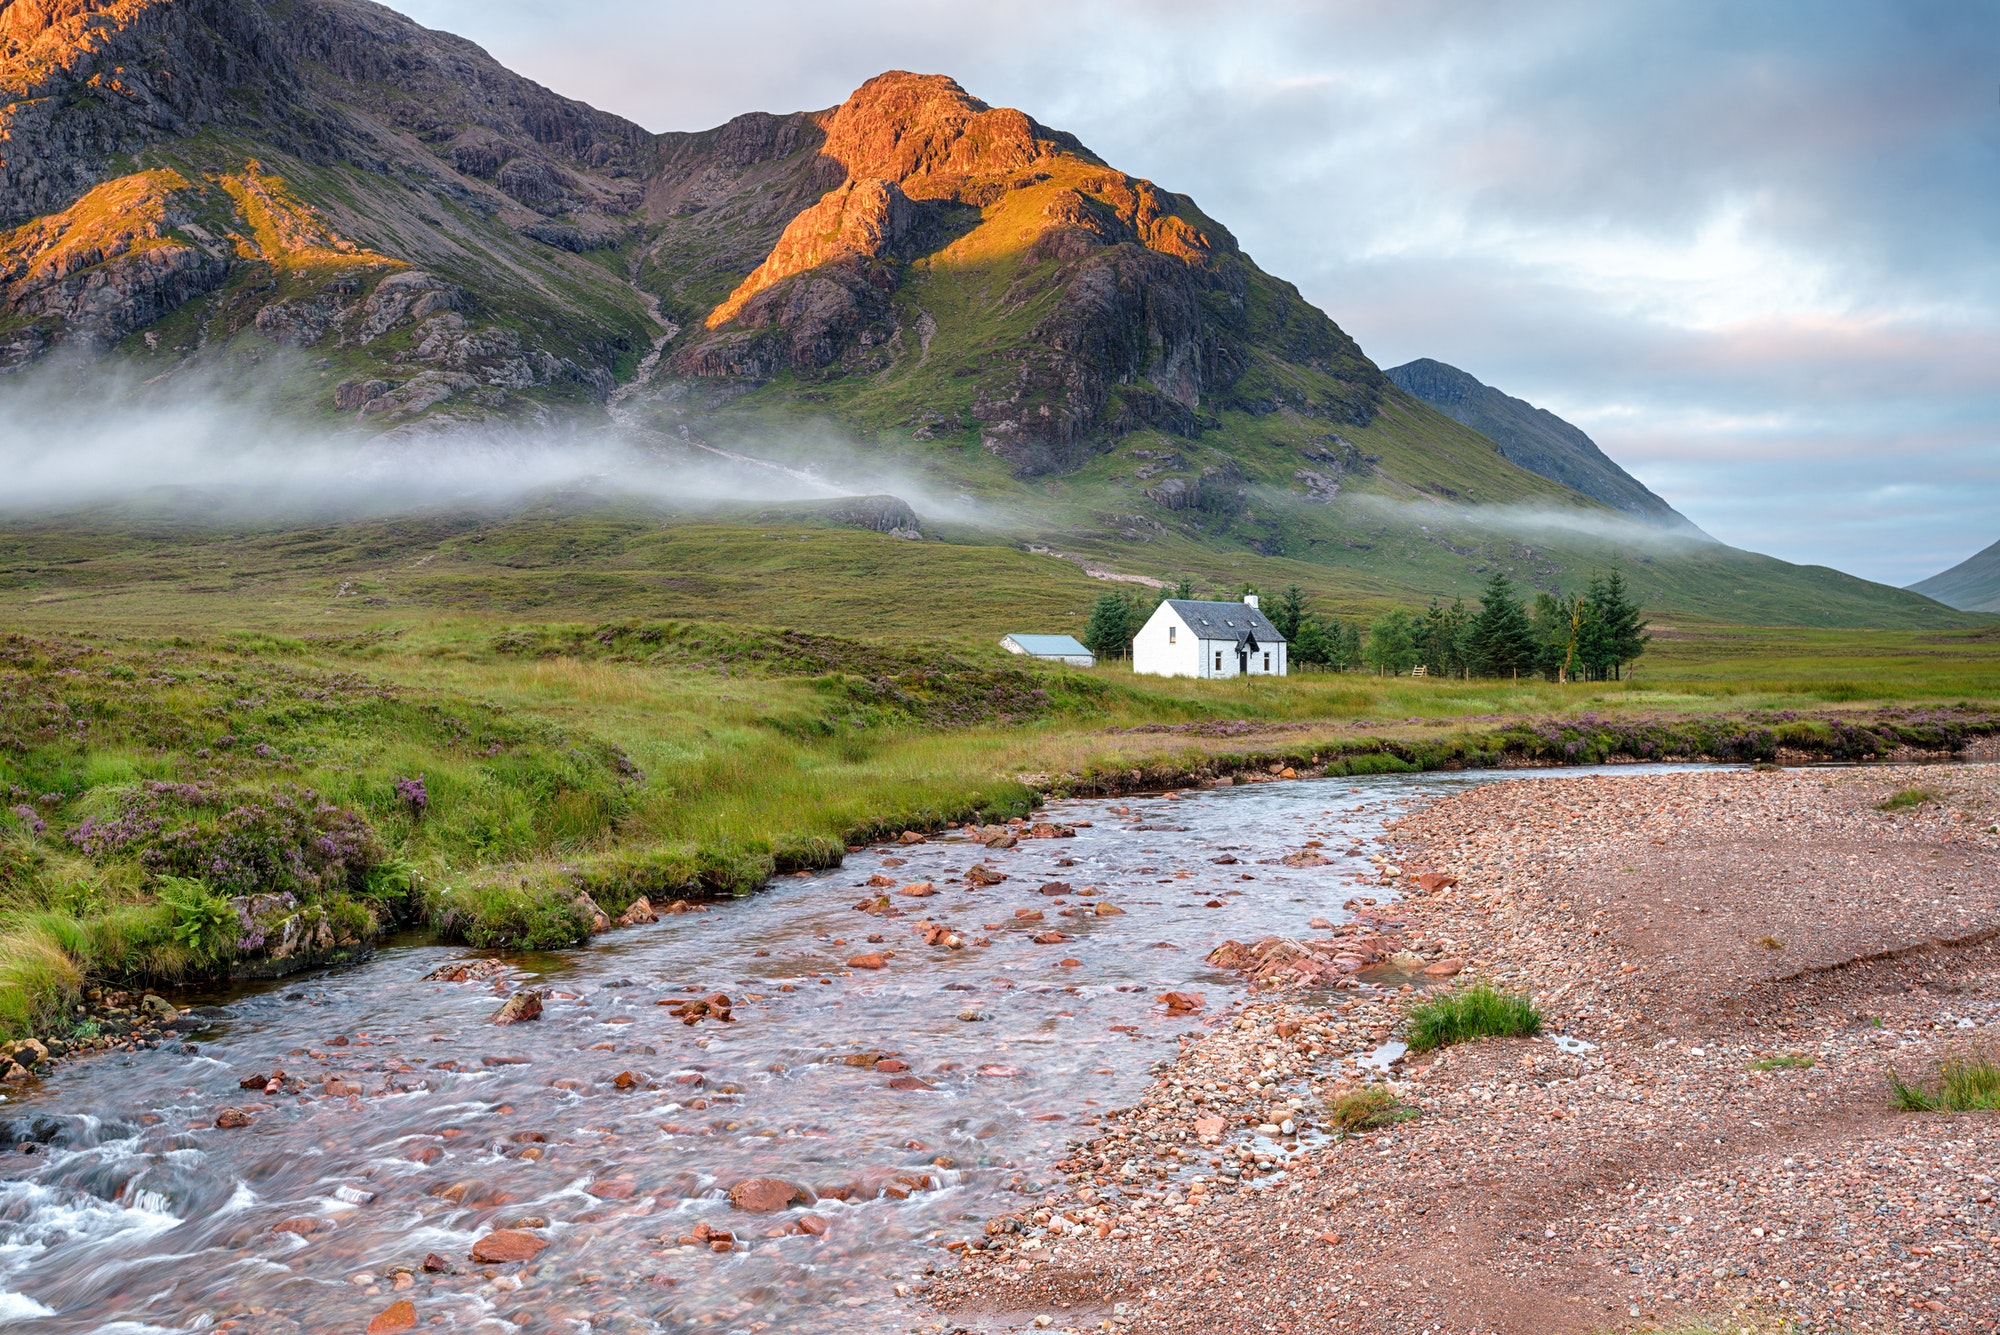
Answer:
(1966, 1082)
(1479, 1010)
(39, 979)
(1905, 799)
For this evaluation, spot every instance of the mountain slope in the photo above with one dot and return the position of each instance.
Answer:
(384, 229)
(1534, 438)
(1973, 585)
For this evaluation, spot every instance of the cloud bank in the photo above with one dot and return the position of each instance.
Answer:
(211, 447)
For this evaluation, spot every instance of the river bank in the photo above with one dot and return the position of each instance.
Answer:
(1735, 962)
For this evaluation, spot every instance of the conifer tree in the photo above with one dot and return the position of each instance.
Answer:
(1620, 633)
(1288, 612)
(1501, 640)
(1109, 631)
(1349, 658)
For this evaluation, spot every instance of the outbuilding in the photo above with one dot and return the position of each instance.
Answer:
(1056, 648)
(1185, 638)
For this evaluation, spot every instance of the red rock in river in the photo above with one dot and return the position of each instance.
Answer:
(232, 1119)
(1183, 1001)
(507, 1244)
(395, 1317)
(764, 1195)
(868, 961)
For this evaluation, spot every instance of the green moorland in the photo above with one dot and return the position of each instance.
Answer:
(213, 739)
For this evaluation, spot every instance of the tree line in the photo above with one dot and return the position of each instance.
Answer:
(1591, 636)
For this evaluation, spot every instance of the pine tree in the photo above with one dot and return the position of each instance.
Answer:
(1501, 640)
(1316, 645)
(1434, 641)
(1289, 612)
(1110, 629)
(1622, 633)
(1183, 590)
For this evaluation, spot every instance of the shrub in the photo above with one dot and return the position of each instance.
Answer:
(416, 799)
(242, 843)
(1479, 1010)
(1965, 1082)
(1367, 1109)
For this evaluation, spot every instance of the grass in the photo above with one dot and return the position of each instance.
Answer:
(1967, 1081)
(1790, 1061)
(1906, 798)
(1478, 1010)
(1368, 1109)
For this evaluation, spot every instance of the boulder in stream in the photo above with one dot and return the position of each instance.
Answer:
(523, 1005)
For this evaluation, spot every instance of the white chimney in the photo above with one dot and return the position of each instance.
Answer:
(1250, 598)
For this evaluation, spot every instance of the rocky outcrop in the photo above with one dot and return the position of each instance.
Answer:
(81, 80)
(109, 264)
(882, 514)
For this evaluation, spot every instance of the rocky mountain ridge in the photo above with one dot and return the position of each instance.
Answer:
(1536, 439)
(1973, 585)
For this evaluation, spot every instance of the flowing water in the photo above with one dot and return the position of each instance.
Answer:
(124, 1209)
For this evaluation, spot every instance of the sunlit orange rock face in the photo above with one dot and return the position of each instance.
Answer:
(920, 137)
(925, 133)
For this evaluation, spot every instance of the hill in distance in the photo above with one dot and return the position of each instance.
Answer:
(1536, 439)
(1973, 585)
(389, 232)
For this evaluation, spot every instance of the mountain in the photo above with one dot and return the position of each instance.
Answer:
(1973, 585)
(385, 231)
(1536, 439)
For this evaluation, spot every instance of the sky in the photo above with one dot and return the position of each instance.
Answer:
(1752, 248)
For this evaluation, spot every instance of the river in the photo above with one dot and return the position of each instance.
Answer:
(123, 1208)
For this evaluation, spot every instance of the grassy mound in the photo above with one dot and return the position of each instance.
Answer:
(1479, 1010)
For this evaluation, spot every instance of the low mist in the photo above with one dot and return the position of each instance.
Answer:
(82, 434)
(1535, 523)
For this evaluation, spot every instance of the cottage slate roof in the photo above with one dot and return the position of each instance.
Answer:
(1225, 621)
(1058, 646)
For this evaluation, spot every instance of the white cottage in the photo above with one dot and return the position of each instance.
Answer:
(1184, 638)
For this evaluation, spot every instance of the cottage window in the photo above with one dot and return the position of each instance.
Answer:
(1173, 634)
(1267, 662)
(1218, 660)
